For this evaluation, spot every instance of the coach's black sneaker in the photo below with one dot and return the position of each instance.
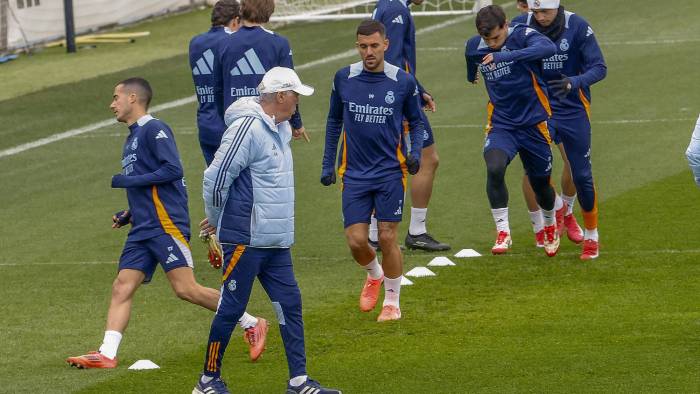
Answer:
(425, 242)
(310, 387)
(210, 385)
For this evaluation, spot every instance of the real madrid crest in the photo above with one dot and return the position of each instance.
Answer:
(564, 45)
(232, 285)
(536, 4)
(389, 97)
(135, 144)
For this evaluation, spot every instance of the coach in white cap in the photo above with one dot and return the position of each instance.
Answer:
(249, 201)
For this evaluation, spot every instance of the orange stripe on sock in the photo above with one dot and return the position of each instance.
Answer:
(590, 218)
(234, 260)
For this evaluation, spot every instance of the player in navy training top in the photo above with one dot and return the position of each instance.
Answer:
(518, 109)
(160, 228)
(401, 33)
(369, 101)
(570, 72)
(245, 56)
(225, 19)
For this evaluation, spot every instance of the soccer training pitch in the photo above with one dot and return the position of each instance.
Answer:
(626, 322)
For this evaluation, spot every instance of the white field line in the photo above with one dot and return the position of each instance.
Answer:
(618, 121)
(669, 41)
(191, 99)
(349, 258)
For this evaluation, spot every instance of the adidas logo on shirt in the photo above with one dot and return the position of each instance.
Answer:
(171, 258)
(161, 134)
(249, 64)
(398, 19)
(205, 64)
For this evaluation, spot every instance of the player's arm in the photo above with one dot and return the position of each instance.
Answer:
(594, 65)
(537, 47)
(411, 112)
(334, 127)
(693, 153)
(228, 162)
(165, 152)
(472, 65)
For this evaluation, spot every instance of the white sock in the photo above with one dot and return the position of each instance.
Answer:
(591, 234)
(374, 269)
(500, 216)
(549, 217)
(247, 320)
(417, 226)
(570, 201)
(537, 221)
(298, 380)
(558, 202)
(392, 290)
(373, 231)
(110, 344)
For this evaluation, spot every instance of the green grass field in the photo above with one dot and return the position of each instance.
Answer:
(627, 322)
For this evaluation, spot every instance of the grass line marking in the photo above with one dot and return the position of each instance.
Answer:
(191, 99)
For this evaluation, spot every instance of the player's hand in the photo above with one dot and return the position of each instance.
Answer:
(300, 133)
(488, 59)
(429, 102)
(206, 229)
(476, 79)
(121, 218)
(328, 177)
(561, 87)
(412, 164)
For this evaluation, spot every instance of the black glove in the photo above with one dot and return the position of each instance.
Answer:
(560, 87)
(122, 218)
(412, 164)
(328, 177)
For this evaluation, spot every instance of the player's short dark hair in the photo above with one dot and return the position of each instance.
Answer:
(224, 12)
(369, 26)
(489, 18)
(141, 87)
(522, 2)
(257, 11)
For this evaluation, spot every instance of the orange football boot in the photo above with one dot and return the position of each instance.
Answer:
(92, 360)
(370, 293)
(389, 312)
(256, 338)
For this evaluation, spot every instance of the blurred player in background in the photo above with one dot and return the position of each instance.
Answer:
(160, 227)
(509, 60)
(693, 153)
(245, 56)
(401, 33)
(522, 6)
(252, 176)
(577, 64)
(369, 101)
(225, 19)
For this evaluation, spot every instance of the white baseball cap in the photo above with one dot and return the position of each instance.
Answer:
(543, 4)
(281, 79)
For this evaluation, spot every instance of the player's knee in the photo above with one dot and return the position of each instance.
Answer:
(496, 163)
(430, 162)
(357, 243)
(387, 237)
(186, 293)
(121, 289)
(540, 184)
